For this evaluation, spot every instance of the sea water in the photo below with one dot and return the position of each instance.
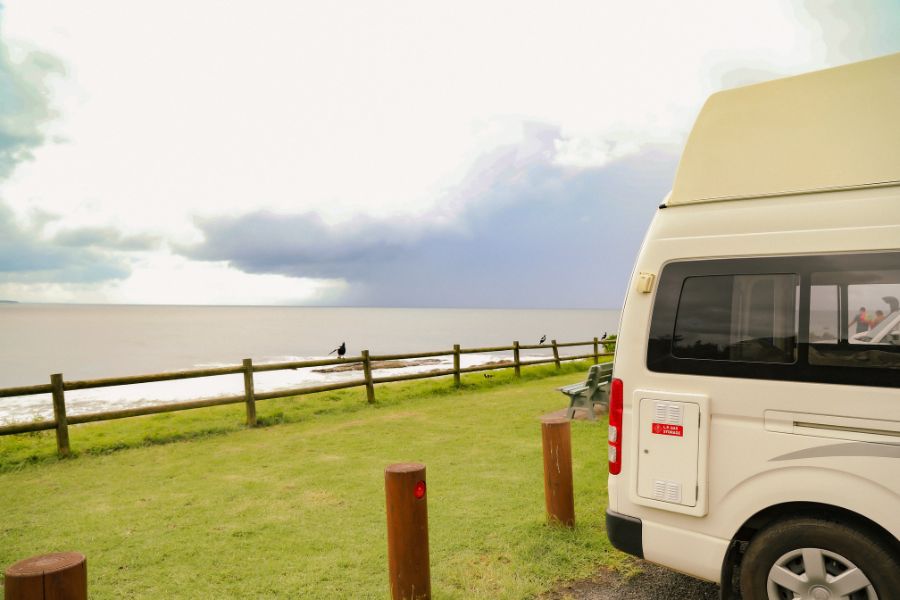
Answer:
(95, 341)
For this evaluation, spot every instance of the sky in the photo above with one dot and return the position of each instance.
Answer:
(367, 153)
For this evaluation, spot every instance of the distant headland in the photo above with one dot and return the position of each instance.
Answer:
(8, 302)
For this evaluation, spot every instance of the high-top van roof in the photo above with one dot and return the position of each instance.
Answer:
(828, 130)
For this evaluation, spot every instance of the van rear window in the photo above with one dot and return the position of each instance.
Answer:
(824, 318)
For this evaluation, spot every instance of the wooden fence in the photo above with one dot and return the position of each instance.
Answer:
(58, 387)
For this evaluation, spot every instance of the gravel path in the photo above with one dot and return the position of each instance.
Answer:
(653, 583)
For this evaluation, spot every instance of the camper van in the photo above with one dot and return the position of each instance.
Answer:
(754, 422)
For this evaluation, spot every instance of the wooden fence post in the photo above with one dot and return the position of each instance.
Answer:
(516, 361)
(556, 354)
(249, 392)
(456, 381)
(596, 351)
(59, 415)
(367, 369)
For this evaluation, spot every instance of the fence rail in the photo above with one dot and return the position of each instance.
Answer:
(58, 387)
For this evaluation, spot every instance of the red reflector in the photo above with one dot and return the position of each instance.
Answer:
(419, 492)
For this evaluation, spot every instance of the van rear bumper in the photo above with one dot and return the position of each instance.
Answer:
(625, 533)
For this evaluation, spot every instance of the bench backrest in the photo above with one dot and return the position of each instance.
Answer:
(599, 374)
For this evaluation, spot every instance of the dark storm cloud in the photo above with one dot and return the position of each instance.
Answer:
(302, 245)
(532, 234)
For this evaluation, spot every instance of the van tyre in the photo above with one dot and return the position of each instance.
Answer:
(818, 559)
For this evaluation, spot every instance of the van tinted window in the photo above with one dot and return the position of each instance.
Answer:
(795, 318)
(737, 317)
(871, 337)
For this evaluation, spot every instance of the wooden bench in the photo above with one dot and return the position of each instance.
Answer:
(594, 390)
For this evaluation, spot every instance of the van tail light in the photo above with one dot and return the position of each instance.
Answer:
(615, 427)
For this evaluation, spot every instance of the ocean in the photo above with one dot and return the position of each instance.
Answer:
(94, 341)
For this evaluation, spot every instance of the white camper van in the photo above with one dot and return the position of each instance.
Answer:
(754, 435)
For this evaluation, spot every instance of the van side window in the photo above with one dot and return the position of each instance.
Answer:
(746, 318)
(869, 336)
(827, 318)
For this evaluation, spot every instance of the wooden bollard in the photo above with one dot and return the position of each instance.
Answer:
(58, 576)
(558, 494)
(407, 532)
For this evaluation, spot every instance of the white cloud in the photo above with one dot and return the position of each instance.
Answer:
(171, 279)
(587, 152)
(174, 109)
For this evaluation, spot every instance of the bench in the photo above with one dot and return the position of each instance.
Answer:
(594, 390)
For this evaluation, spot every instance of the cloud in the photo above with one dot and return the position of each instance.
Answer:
(24, 105)
(531, 233)
(26, 256)
(301, 245)
(858, 30)
(105, 237)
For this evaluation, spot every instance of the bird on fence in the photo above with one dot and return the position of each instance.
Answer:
(341, 350)
(543, 339)
(604, 336)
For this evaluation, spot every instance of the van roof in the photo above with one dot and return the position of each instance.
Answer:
(828, 130)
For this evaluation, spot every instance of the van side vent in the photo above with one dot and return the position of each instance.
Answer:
(669, 413)
(667, 491)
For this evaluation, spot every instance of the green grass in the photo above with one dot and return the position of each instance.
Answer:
(193, 505)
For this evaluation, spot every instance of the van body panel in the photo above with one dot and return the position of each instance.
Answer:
(668, 546)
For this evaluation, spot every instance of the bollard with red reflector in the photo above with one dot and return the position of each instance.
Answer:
(407, 531)
(60, 576)
(556, 433)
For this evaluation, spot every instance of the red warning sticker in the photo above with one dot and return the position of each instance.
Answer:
(666, 429)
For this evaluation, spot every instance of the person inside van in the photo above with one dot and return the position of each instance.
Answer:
(861, 320)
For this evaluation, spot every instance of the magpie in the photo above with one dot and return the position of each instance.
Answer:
(341, 351)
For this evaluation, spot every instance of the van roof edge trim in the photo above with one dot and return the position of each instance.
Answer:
(828, 130)
(865, 186)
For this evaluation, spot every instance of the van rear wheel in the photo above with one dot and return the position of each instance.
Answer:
(818, 559)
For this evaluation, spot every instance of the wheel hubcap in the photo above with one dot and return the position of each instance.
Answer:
(820, 593)
(817, 574)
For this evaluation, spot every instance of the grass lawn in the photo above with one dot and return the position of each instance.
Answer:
(193, 505)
